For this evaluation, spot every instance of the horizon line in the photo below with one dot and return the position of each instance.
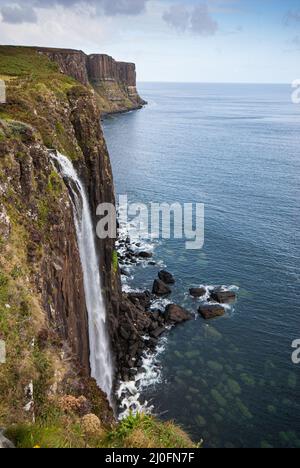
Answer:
(215, 82)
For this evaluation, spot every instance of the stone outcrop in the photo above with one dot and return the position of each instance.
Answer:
(176, 314)
(197, 292)
(223, 297)
(166, 277)
(209, 312)
(114, 82)
(70, 62)
(160, 288)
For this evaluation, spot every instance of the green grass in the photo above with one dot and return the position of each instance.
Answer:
(34, 83)
(115, 261)
(139, 431)
(144, 431)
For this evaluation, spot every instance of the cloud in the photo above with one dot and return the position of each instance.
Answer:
(177, 17)
(292, 17)
(197, 20)
(202, 23)
(18, 14)
(123, 7)
(26, 11)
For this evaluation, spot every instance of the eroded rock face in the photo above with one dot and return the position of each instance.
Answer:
(71, 62)
(115, 82)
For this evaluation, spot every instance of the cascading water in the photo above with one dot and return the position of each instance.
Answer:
(100, 352)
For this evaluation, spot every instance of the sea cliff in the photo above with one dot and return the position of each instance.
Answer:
(114, 82)
(47, 395)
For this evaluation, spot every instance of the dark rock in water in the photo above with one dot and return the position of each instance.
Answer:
(142, 299)
(155, 315)
(160, 288)
(152, 263)
(197, 292)
(166, 277)
(4, 442)
(158, 332)
(176, 314)
(124, 272)
(211, 311)
(145, 255)
(223, 297)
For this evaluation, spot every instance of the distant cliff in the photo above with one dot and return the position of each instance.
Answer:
(114, 82)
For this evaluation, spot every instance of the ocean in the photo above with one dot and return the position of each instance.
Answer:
(235, 148)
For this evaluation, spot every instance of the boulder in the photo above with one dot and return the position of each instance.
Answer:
(166, 277)
(211, 311)
(145, 255)
(158, 332)
(160, 288)
(4, 442)
(176, 314)
(142, 299)
(223, 297)
(197, 292)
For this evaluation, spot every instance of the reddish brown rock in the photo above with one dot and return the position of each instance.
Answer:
(209, 312)
(197, 292)
(223, 297)
(160, 288)
(176, 314)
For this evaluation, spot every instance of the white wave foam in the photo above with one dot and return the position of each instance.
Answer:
(129, 393)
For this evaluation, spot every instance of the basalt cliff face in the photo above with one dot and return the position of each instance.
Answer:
(43, 319)
(114, 82)
(47, 397)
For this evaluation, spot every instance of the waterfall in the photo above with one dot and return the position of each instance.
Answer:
(100, 352)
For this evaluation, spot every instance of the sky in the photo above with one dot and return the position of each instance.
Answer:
(244, 41)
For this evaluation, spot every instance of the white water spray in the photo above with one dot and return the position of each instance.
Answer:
(100, 352)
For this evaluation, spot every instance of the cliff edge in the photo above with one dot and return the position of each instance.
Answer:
(47, 397)
(114, 82)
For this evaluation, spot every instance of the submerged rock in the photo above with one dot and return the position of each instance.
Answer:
(176, 314)
(166, 277)
(209, 312)
(197, 292)
(223, 297)
(160, 288)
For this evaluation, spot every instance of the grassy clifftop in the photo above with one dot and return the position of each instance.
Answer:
(46, 398)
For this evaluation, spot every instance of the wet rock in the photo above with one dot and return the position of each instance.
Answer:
(209, 312)
(166, 277)
(223, 297)
(160, 288)
(158, 332)
(197, 292)
(4, 442)
(145, 255)
(125, 272)
(142, 299)
(176, 314)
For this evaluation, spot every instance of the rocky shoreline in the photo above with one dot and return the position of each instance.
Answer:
(142, 324)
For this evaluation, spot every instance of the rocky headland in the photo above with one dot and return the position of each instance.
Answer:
(114, 82)
(47, 395)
